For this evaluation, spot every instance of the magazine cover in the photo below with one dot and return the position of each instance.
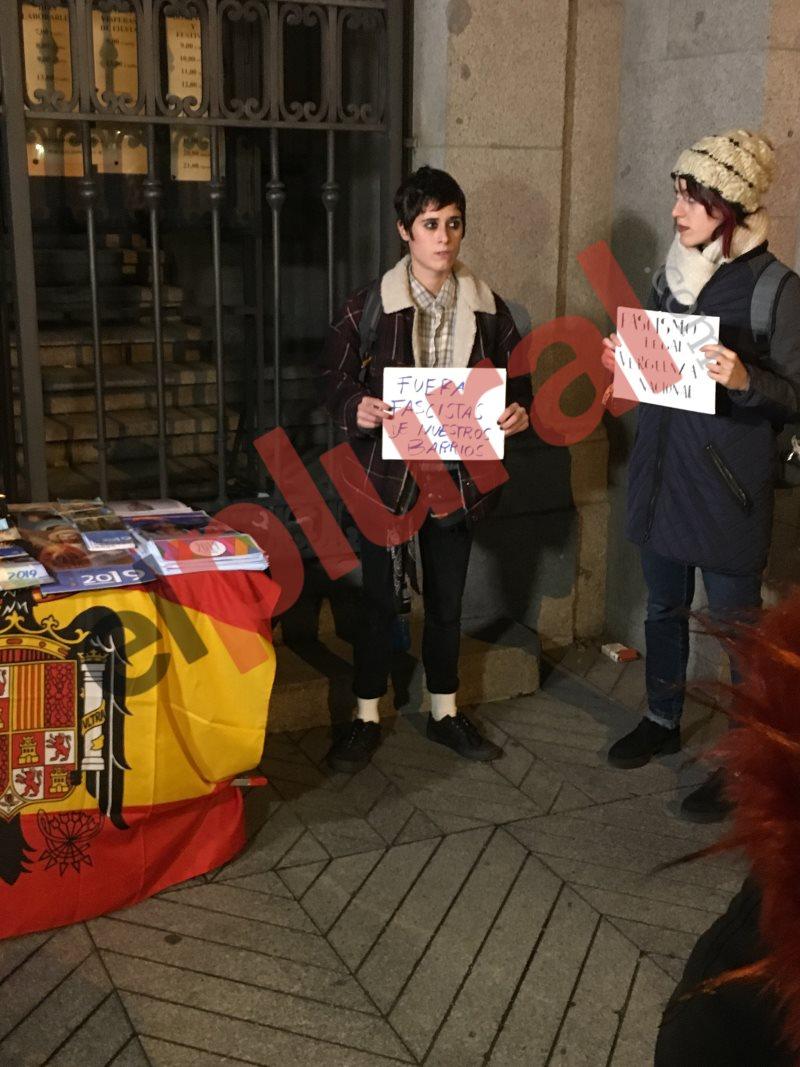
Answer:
(127, 508)
(58, 545)
(19, 570)
(100, 528)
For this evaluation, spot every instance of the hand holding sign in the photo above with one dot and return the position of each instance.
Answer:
(457, 413)
(371, 412)
(725, 367)
(514, 420)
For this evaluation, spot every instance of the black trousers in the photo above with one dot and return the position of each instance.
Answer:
(444, 552)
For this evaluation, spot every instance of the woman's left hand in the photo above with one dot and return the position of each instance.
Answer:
(513, 420)
(725, 367)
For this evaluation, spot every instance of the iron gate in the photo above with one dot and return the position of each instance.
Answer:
(291, 136)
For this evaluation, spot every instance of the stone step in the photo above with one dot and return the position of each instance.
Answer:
(191, 479)
(142, 375)
(305, 695)
(66, 401)
(70, 346)
(184, 341)
(198, 442)
(111, 297)
(60, 267)
(59, 240)
(132, 449)
(70, 390)
(137, 422)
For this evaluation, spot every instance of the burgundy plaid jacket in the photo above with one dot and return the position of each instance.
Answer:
(394, 347)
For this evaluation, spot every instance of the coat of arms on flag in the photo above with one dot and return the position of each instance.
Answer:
(38, 727)
(125, 718)
(61, 705)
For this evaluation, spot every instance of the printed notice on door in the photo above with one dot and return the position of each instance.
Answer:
(116, 56)
(46, 48)
(190, 154)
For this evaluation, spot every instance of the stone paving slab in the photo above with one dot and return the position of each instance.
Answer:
(424, 911)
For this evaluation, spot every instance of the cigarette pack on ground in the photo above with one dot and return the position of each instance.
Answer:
(619, 653)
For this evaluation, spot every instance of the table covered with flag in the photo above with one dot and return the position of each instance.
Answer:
(124, 717)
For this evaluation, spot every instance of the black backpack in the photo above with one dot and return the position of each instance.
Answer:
(769, 285)
(770, 281)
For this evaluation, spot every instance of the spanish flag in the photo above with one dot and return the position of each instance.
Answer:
(124, 716)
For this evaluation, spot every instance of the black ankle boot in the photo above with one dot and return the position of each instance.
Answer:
(457, 732)
(638, 747)
(353, 750)
(708, 802)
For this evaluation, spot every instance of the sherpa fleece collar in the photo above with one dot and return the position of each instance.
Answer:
(473, 295)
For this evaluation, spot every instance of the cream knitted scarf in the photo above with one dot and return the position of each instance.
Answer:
(688, 269)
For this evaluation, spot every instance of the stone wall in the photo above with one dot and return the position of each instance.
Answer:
(519, 101)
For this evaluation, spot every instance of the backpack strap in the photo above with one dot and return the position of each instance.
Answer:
(764, 301)
(660, 283)
(368, 328)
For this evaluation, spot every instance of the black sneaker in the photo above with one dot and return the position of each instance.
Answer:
(353, 751)
(639, 746)
(708, 802)
(458, 733)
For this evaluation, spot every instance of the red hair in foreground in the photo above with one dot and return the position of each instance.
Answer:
(762, 758)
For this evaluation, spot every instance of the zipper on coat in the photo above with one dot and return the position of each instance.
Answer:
(660, 449)
(740, 494)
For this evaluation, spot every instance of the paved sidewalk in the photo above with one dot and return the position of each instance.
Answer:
(424, 911)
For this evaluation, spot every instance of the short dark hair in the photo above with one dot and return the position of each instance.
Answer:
(732, 214)
(428, 188)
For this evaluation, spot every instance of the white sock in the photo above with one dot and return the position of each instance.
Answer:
(442, 705)
(367, 710)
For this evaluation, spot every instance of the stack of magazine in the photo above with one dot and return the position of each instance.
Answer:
(88, 545)
(52, 535)
(191, 541)
(18, 569)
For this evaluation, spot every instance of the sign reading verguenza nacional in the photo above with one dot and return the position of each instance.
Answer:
(660, 360)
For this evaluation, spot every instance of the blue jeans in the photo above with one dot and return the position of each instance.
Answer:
(732, 598)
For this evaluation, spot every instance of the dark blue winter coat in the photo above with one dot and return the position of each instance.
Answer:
(701, 487)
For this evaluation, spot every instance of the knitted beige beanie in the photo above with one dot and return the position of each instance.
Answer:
(738, 165)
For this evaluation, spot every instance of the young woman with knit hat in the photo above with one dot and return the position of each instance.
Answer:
(701, 487)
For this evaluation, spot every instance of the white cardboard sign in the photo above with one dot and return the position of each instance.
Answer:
(675, 378)
(457, 409)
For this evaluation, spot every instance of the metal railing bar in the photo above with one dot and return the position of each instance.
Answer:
(153, 194)
(275, 197)
(393, 156)
(216, 195)
(330, 198)
(88, 195)
(260, 312)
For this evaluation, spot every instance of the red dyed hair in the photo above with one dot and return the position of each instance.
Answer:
(733, 215)
(762, 760)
